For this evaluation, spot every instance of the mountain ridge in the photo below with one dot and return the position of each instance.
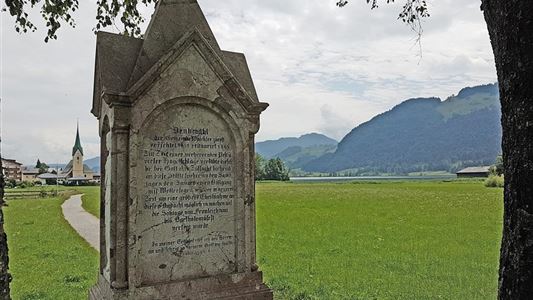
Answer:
(270, 148)
(422, 134)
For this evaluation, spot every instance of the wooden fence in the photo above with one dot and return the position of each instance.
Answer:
(11, 195)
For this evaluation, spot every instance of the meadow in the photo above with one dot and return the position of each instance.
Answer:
(48, 260)
(359, 240)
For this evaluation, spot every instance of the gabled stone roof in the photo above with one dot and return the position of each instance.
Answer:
(115, 58)
(171, 20)
(123, 62)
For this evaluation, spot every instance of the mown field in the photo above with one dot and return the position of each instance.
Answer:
(387, 240)
(48, 260)
(406, 240)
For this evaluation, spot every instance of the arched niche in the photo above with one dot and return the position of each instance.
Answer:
(189, 195)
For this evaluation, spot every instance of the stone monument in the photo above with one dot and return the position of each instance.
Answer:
(177, 120)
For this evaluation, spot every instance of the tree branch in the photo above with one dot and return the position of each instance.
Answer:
(58, 12)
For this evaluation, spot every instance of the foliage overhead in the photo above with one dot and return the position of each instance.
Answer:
(413, 10)
(58, 12)
(412, 13)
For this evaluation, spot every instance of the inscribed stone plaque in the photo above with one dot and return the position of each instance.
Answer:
(187, 182)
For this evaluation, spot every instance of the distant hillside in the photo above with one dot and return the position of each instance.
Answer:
(93, 163)
(297, 157)
(422, 134)
(296, 152)
(270, 149)
(51, 165)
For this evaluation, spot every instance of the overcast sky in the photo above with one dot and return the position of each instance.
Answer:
(321, 68)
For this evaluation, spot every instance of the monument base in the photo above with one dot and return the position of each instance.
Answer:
(241, 286)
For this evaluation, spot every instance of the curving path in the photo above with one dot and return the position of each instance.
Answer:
(87, 225)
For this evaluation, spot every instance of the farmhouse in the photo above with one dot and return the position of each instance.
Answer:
(12, 169)
(474, 172)
(30, 174)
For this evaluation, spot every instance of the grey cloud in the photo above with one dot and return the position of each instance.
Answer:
(295, 49)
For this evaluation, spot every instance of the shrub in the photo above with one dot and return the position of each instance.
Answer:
(11, 183)
(26, 184)
(259, 167)
(275, 170)
(494, 181)
(272, 169)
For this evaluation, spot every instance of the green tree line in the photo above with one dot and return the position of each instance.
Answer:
(272, 169)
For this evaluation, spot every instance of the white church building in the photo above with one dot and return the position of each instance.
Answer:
(76, 172)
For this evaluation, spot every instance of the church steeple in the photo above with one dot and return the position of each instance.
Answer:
(77, 144)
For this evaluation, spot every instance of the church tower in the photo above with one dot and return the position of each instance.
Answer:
(77, 156)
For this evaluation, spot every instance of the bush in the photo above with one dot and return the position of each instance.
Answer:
(26, 184)
(11, 183)
(259, 167)
(494, 181)
(273, 169)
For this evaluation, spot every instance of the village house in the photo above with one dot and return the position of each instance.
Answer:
(30, 175)
(12, 169)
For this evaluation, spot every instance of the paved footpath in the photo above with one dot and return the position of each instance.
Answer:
(87, 225)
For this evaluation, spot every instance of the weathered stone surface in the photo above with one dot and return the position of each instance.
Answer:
(186, 180)
(177, 124)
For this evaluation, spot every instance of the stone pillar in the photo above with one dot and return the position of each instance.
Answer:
(178, 117)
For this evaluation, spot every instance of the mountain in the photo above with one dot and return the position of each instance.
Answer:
(93, 163)
(422, 134)
(52, 165)
(270, 149)
(295, 152)
(297, 157)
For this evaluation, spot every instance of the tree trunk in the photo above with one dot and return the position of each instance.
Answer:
(510, 26)
(5, 277)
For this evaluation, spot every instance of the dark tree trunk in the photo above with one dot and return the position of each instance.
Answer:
(5, 277)
(510, 25)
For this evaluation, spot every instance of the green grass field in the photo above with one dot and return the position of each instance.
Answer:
(407, 240)
(91, 200)
(48, 260)
(387, 240)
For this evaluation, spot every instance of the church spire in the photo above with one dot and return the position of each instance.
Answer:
(77, 144)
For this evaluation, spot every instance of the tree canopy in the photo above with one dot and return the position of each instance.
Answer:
(272, 169)
(58, 12)
(412, 13)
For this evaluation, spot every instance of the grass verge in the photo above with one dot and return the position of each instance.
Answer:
(90, 201)
(48, 260)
